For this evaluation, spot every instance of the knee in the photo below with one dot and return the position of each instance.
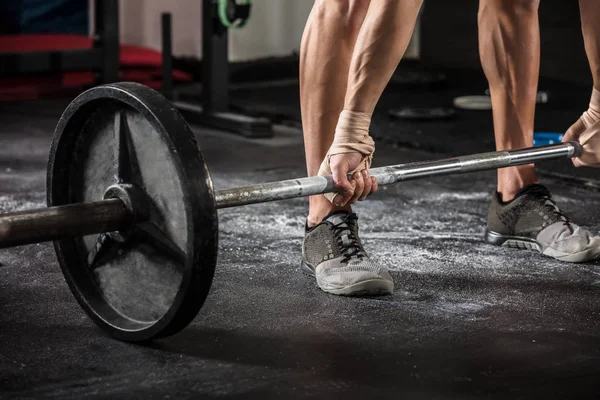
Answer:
(348, 12)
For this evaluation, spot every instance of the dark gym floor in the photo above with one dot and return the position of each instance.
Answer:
(467, 320)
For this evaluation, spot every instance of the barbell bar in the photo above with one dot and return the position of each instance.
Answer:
(28, 227)
(315, 185)
(132, 210)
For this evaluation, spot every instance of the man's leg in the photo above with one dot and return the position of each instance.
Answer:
(523, 213)
(332, 251)
(382, 42)
(325, 54)
(590, 14)
(348, 56)
(509, 46)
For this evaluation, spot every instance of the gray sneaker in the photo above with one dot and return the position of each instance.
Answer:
(533, 221)
(333, 253)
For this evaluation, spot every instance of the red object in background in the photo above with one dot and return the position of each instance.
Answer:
(138, 64)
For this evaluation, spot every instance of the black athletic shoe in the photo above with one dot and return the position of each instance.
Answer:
(333, 253)
(533, 221)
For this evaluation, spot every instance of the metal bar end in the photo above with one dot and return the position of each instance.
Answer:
(577, 149)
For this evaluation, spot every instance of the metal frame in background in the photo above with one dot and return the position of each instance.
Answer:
(106, 39)
(102, 58)
(167, 55)
(213, 108)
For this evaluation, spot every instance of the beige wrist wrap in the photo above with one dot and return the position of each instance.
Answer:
(591, 123)
(592, 115)
(351, 135)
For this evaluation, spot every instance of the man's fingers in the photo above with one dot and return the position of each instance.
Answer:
(360, 187)
(368, 189)
(568, 136)
(375, 186)
(341, 200)
(342, 184)
(590, 140)
(354, 188)
(374, 183)
(574, 131)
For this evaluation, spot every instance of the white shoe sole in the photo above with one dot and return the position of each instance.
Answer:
(515, 242)
(371, 287)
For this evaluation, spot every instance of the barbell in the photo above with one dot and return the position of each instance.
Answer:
(133, 213)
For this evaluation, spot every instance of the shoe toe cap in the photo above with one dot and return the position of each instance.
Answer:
(351, 273)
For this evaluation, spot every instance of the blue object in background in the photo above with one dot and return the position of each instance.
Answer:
(545, 138)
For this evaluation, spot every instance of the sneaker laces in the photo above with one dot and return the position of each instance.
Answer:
(346, 239)
(551, 206)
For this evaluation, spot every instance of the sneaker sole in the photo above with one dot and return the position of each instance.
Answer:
(373, 287)
(524, 243)
(514, 242)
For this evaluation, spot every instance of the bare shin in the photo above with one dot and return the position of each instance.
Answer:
(349, 52)
(509, 47)
(325, 54)
(590, 15)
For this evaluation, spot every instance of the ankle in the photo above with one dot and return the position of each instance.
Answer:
(508, 194)
(320, 207)
(513, 179)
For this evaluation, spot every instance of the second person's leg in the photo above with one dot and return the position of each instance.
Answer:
(522, 213)
(509, 46)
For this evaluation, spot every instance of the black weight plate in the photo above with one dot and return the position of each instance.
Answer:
(154, 283)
